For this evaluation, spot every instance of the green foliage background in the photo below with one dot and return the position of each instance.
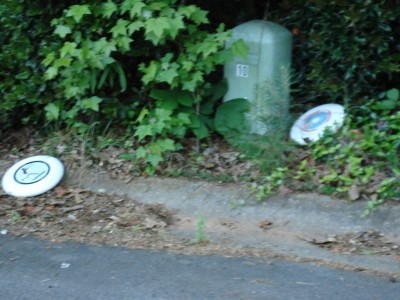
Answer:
(344, 51)
(26, 37)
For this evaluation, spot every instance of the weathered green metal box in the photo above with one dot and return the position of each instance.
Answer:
(261, 78)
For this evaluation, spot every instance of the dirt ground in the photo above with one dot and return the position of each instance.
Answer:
(70, 213)
(75, 214)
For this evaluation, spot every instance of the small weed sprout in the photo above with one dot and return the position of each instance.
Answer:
(200, 230)
(15, 216)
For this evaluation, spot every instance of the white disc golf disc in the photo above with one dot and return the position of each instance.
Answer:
(312, 124)
(33, 176)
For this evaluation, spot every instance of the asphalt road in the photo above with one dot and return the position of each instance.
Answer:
(33, 269)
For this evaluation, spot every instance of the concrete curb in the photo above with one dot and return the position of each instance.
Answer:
(295, 218)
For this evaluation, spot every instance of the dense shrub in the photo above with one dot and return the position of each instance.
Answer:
(144, 63)
(25, 33)
(343, 50)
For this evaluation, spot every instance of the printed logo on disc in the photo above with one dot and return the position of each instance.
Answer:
(315, 120)
(31, 172)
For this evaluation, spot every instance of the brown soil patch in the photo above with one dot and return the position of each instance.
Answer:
(365, 242)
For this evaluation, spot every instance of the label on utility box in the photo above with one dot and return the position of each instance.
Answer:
(242, 70)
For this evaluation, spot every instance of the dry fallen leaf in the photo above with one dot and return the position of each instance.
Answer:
(265, 224)
(73, 208)
(61, 191)
(149, 223)
(284, 190)
(50, 207)
(29, 208)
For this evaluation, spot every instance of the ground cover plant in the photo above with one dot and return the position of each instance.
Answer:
(359, 162)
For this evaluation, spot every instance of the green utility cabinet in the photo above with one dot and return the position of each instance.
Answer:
(260, 77)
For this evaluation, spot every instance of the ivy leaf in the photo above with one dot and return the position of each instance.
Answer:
(134, 26)
(124, 43)
(108, 9)
(141, 152)
(49, 59)
(187, 65)
(99, 45)
(72, 113)
(127, 5)
(207, 48)
(187, 10)
(168, 12)
(78, 11)
(52, 112)
(154, 159)
(163, 115)
(51, 73)
(62, 31)
(158, 5)
(108, 47)
(92, 103)
(191, 85)
(167, 76)
(175, 25)
(120, 28)
(155, 28)
(134, 7)
(150, 71)
(72, 91)
(67, 48)
(200, 17)
(63, 62)
(240, 48)
(166, 144)
(143, 131)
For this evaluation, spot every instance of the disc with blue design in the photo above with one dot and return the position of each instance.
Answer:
(312, 125)
(33, 176)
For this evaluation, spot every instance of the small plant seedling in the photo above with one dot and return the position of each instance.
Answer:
(236, 202)
(15, 216)
(200, 232)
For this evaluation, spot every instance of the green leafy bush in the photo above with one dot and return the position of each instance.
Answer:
(343, 50)
(151, 56)
(111, 48)
(25, 33)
